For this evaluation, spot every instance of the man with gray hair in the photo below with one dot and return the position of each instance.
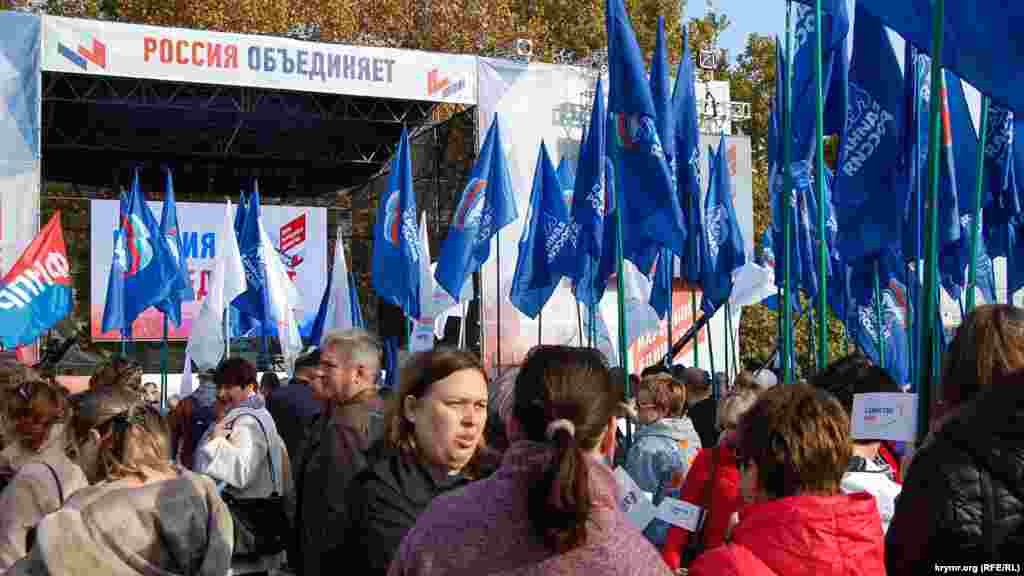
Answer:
(336, 447)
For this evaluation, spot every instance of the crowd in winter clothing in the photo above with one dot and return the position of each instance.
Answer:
(458, 471)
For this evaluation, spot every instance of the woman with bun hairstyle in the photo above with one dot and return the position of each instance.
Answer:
(552, 506)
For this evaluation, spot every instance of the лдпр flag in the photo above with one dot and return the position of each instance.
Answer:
(36, 292)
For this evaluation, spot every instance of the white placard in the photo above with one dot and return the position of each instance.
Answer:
(679, 513)
(634, 502)
(884, 416)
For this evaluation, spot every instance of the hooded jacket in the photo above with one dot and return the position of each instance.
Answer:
(659, 460)
(40, 487)
(384, 502)
(868, 476)
(178, 526)
(801, 536)
(485, 528)
(963, 497)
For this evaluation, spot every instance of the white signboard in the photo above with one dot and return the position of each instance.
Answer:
(679, 513)
(182, 55)
(884, 416)
(298, 233)
(634, 502)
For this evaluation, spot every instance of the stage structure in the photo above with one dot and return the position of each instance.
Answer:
(316, 123)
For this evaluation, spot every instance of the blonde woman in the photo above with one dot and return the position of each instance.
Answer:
(144, 515)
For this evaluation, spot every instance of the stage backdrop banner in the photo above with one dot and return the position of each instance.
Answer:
(549, 102)
(20, 76)
(298, 233)
(182, 55)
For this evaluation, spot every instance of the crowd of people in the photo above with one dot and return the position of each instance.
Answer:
(455, 472)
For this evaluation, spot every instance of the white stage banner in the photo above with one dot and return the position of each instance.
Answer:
(181, 55)
(299, 234)
(542, 101)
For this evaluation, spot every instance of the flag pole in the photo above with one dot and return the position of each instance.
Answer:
(819, 104)
(579, 322)
(621, 298)
(497, 297)
(163, 369)
(787, 225)
(666, 260)
(929, 303)
(693, 318)
(880, 337)
(540, 327)
(972, 271)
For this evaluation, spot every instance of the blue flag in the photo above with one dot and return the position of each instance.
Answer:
(252, 304)
(391, 367)
(590, 206)
(1004, 204)
(640, 175)
(565, 176)
(240, 212)
(169, 227)
(871, 185)
(35, 293)
(396, 250)
(884, 323)
(487, 205)
(143, 270)
(547, 248)
(723, 240)
(782, 200)
(688, 177)
(982, 40)
(661, 290)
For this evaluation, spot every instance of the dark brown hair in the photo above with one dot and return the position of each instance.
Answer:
(32, 400)
(417, 376)
(799, 437)
(988, 344)
(854, 374)
(235, 372)
(555, 383)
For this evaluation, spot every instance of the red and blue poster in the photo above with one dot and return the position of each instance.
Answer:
(36, 292)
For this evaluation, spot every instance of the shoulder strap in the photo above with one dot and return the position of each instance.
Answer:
(270, 452)
(56, 480)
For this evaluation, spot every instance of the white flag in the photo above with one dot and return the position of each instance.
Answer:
(426, 277)
(282, 299)
(185, 388)
(339, 304)
(206, 342)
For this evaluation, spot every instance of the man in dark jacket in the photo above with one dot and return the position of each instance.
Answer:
(963, 497)
(701, 405)
(336, 447)
(293, 406)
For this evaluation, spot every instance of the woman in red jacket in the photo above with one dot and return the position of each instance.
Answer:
(725, 488)
(793, 448)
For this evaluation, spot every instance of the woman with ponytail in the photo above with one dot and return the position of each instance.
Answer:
(551, 508)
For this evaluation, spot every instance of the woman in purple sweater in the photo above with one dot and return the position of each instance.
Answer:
(551, 508)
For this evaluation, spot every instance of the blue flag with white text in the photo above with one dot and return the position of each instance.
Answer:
(143, 270)
(169, 227)
(396, 250)
(547, 248)
(591, 205)
(724, 242)
(486, 206)
(688, 178)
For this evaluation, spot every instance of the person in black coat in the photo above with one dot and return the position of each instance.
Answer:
(434, 443)
(963, 498)
(293, 406)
